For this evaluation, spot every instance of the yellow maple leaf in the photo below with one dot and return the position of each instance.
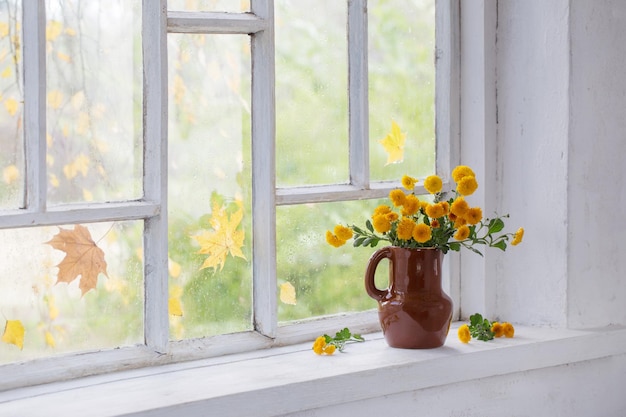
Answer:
(288, 293)
(394, 144)
(82, 257)
(7, 72)
(223, 239)
(14, 333)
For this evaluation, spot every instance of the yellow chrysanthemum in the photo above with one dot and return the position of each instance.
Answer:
(517, 238)
(459, 222)
(343, 232)
(381, 223)
(462, 171)
(433, 184)
(467, 185)
(383, 209)
(508, 329)
(462, 233)
(497, 329)
(405, 228)
(446, 207)
(422, 233)
(334, 240)
(435, 210)
(464, 333)
(459, 207)
(434, 223)
(408, 182)
(318, 345)
(329, 349)
(474, 215)
(411, 205)
(392, 216)
(397, 197)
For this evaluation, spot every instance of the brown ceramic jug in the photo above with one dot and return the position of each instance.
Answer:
(414, 311)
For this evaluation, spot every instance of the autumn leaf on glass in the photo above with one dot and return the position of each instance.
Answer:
(82, 257)
(14, 333)
(394, 144)
(288, 293)
(224, 239)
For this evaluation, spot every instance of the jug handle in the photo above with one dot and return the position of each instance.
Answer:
(374, 260)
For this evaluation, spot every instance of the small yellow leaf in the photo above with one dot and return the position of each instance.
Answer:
(55, 99)
(87, 195)
(49, 140)
(79, 165)
(11, 105)
(10, 174)
(288, 293)
(50, 339)
(70, 32)
(7, 72)
(174, 268)
(174, 306)
(14, 333)
(394, 144)
(54, 181)
(64, 57)
(78, 100)
(53, 311)
(53, 30)
(4, 29)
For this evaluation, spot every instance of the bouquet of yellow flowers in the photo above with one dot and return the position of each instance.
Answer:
(445, 223)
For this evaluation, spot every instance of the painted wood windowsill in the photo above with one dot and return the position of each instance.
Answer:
(289, 379)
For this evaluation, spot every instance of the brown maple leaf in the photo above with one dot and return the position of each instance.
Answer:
(82, 257)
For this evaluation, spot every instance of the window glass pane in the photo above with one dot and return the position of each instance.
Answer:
(311, 92)
(210, 5)
(209, 185)
(11, 102)
(326, 280)
(402, 85)
(98, 305)
(94, 100)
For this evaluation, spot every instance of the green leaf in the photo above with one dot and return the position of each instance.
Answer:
(474, 250)
(358, 241)
(501, 244)
(369, 226)
(496, 225)
(455, 246)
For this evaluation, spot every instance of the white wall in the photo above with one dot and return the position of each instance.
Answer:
(562, 139)
(597, 172)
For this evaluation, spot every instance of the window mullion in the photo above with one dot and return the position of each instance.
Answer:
(447, 120)
(34, 38)
(358, 93)
(154, 41)
(263, 172)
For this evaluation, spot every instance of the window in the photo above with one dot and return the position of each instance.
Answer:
(139, 134)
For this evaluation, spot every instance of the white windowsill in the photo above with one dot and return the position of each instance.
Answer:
(289, 379)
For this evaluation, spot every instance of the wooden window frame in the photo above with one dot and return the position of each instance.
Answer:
(152, 208)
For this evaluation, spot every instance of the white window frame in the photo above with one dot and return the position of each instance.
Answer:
(152, 208)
